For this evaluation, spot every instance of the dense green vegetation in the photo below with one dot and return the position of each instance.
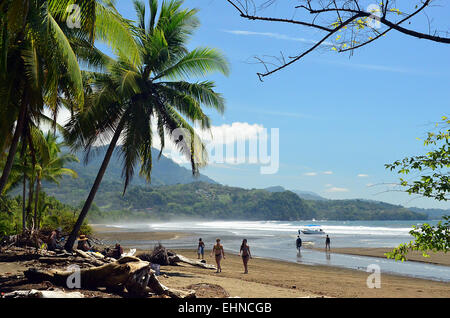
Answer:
(210, 201)
(362, 210)
(52, 215)
(214, 201)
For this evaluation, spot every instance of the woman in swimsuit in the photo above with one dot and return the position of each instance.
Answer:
(218, 252)
(245, 254)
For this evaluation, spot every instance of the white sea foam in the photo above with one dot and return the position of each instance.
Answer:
(271, 227)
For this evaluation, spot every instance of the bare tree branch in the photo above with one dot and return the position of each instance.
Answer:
(348, 18)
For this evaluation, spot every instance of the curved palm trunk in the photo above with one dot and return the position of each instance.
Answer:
(87, 205)
(13, 148)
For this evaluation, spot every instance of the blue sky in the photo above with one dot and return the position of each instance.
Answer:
(340, 119)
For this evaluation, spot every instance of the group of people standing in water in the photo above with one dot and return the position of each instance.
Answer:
(219, 253)
(244, 251)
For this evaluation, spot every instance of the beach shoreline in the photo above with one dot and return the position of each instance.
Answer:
(115, 234)
(274, 278)
(438, 258)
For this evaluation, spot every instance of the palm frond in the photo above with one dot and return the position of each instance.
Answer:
(197, 63)
(69, 56)
(114, 30)
(203, 92)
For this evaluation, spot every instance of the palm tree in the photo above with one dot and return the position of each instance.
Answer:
(129, 99)
(36, 47)
(51, 167)
(44, 162)
(34, 51)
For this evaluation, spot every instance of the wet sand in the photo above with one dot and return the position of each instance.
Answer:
(439, 258)
(121, 234)
(138, 236)
(279, 279)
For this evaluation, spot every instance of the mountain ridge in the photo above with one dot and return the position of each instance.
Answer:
(170, 182)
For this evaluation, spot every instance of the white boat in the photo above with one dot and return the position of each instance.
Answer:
(311, 229)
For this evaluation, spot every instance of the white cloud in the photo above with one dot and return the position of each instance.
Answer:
(277, 36)
(328, 185)
(235, 143)
(362, 175)
(381, 68)
(310, 174)
(328, 172)
(336, 189)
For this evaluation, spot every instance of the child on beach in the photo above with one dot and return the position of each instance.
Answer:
(245, 254)
(219, 253)
(327, 243)
(201, 248)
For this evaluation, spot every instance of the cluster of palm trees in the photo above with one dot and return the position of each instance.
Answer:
(48, 64)
(39, 159)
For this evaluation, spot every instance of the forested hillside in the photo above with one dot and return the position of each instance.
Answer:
(214, 201)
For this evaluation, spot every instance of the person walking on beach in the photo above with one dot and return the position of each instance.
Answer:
(201, 248)
(299, 242)
(327, 243)
(245, 254)
(218, 253)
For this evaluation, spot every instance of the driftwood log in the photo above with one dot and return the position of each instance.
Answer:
(173, 260)
(156, 287)
(33, 293)
(128, 272)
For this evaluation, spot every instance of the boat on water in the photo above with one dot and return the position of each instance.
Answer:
(311, 229)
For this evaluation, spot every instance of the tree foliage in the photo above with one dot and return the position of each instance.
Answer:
(433, 178)
(433, 167)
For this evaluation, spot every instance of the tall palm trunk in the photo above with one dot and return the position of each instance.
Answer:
(24, 190)
(24, 209)
(87, 205)
(30, 200)
(36, 203)
(13, 147)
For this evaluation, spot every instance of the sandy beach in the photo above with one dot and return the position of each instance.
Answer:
(274, 279)
(279, 279)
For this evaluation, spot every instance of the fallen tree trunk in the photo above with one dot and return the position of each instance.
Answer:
(129, 272)
(182, 259)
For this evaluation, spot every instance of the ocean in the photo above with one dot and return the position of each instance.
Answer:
(276, 240)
